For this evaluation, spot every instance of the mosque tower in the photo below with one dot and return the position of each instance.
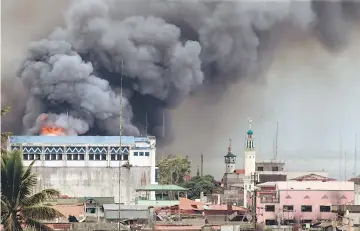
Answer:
(249, 152)
(230, 160)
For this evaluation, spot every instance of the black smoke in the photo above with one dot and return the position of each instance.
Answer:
(163, 51)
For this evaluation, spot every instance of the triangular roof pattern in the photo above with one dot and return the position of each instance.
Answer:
(312, 177)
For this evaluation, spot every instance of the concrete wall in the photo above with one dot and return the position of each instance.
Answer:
(94, 181)
(357, 195)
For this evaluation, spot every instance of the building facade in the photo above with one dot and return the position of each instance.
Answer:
(291, 202)
(90, 166)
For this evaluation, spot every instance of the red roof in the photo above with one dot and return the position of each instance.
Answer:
(240, 171)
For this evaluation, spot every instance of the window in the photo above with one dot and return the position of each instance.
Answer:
(289, 222)
(37, 156)
(81, 157)
(47, 157)
(91, 157)
(90, 210)
(141, 153)
(97, 156)
(306, 221)
(136, 153)
(26, 157)
(125, 157)
(270, 222)
(260, 169)
(270, 208)
(113, 157)
(31, 157)
(53, 156)
(275, 169)
(325, 208)
(75, 157)
(69, 157)
(306, 208)
(59, 156)
(147, 153)
(288, 208)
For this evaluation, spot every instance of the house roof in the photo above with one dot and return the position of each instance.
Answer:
(312, 177)
(115, 207)
(312, 185)
(99, 200)
(356, 180)
(73, 210)
(159, 187)
(186, 204)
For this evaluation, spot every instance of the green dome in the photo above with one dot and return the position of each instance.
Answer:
(250, 132)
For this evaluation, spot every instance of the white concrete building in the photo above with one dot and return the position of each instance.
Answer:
(88, 166)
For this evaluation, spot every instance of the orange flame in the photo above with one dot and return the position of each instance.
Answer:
(52, 131)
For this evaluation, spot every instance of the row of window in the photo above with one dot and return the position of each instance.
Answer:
(141, 153)
(286, 222)
(75, 157)
(304, 208)
(274, 169)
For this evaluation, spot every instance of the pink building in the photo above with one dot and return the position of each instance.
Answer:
(287, 202)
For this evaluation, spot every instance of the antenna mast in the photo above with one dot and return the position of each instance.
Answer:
(340, 162)
(355, 156)
(276, 140)
(120, 131)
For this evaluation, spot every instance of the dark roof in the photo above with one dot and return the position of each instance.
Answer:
(99, 200)
(230, 155)
(356, 180)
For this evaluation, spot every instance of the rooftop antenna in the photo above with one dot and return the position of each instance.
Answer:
(163, 132)
(146, 124)
(340, 161)
(120, 131)
(355, 156)
(276, 141)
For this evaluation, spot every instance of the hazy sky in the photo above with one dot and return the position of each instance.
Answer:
(312, 93)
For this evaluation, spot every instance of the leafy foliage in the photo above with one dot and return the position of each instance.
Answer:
(4, 135)
(18, 206)
(198, 184)
(173, 169)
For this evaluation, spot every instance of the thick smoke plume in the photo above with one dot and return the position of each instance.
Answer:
(164, 51)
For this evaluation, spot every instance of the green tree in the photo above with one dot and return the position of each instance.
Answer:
(4, 135)
(18, 206)
(173, 169)
(197, 184)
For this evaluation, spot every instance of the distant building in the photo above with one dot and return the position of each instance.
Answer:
(290, 202)
(88, 166)
(356, 181)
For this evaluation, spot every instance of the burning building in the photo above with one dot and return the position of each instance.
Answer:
(88, 166)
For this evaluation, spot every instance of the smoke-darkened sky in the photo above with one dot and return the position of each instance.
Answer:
(205, 66)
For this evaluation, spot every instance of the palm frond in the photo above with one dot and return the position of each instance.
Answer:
(37, 225)
(11, 223)
(41, 197)
(40, 213)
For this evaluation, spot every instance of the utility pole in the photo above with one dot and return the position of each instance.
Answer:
(254, 180)
(120, 142)
(202, 166)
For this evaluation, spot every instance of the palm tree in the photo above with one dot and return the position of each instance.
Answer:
(4, 135)
(19, 207)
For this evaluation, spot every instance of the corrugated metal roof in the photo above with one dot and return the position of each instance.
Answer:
(159, 187)
(115, 207)
(312, 185)
(126, 140)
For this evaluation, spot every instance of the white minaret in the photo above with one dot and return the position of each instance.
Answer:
(249, 164)
(250, 154)
(230, 160)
